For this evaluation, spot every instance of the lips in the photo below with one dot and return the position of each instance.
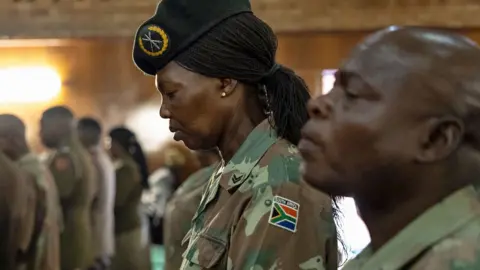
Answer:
(309, 145)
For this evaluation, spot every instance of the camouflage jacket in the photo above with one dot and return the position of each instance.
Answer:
(179, 213)
(256, 214)
(445, 237)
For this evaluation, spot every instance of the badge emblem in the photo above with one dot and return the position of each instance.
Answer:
(284, 213)
(152, 40)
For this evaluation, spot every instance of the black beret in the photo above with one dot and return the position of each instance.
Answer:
(175, 26)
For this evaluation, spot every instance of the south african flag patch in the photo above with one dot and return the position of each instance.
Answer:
(284, 213)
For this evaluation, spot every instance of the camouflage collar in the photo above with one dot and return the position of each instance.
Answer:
(436, 223)
(247, 156)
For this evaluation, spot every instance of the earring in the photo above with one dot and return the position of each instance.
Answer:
(224, 94)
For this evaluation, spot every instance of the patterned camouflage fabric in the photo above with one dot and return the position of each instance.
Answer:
(256, 214)
(74, 174)
(445, 237)
(179, 213)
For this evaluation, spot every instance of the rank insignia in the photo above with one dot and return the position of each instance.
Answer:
(284, 213)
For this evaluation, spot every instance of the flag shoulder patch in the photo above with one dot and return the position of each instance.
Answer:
(284, 213)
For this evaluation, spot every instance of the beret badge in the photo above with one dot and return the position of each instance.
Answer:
(153, 40)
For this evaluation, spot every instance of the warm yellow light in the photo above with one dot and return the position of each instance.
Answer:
(28, 84)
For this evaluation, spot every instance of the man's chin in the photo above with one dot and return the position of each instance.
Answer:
(324, 182)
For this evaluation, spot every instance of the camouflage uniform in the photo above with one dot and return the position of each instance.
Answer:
(445, 237)
(255, 213)
(179, 213)
(48, 246)
(74, 175)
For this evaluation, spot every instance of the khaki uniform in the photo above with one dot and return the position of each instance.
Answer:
(179, 213)
(132, 249)
(48, 246)
(103, 207)
(256, 214)
(21, 212)
(74, 175)
(445, 237)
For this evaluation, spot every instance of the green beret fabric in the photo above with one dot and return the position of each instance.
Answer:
(175, 26)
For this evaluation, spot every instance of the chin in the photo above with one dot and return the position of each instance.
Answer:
(192, 145)
(324, 180)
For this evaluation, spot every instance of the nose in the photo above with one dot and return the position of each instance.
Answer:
(164, 112)
(320, 107)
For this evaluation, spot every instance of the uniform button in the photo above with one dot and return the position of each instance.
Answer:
(268, 202)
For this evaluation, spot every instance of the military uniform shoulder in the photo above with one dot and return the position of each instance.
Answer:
(282, 161)
(458, 252)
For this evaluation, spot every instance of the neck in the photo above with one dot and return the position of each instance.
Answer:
(19, 152)
(387, 218)
(237, 132)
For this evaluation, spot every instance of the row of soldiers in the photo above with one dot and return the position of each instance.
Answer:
(64, 210)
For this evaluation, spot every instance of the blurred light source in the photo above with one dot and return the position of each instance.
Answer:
(328, 79)
(20, 85)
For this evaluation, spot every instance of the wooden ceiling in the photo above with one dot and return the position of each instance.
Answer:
(120, 18)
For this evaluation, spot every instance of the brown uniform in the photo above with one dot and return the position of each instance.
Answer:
(74, 175)
(21, 209)
(48, 246)
(179, 213)
(131, 249)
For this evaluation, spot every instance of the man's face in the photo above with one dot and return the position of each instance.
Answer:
(50, 132)
(88, 137)
(360, 134)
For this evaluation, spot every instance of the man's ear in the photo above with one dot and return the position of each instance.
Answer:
(228, 86)
(440, 138)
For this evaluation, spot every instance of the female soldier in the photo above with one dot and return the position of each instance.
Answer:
(131, 249)
(214, 63)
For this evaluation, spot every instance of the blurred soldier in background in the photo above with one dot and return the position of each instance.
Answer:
(90, 133)
(179, 163)
(74, 175)
(19, 195)
(13, 143)
(132, 247)
(182, 207)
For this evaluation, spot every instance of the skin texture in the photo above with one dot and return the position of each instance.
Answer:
(399, 131)
(207, 112)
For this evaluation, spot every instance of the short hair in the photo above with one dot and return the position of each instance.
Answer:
(62, 111)
(90, 124)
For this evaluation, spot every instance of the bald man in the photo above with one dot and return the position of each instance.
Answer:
(74, 175)
(400, 132)
(14, 145)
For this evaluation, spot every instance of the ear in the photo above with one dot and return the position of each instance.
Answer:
(228, 86)
(440, 138)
